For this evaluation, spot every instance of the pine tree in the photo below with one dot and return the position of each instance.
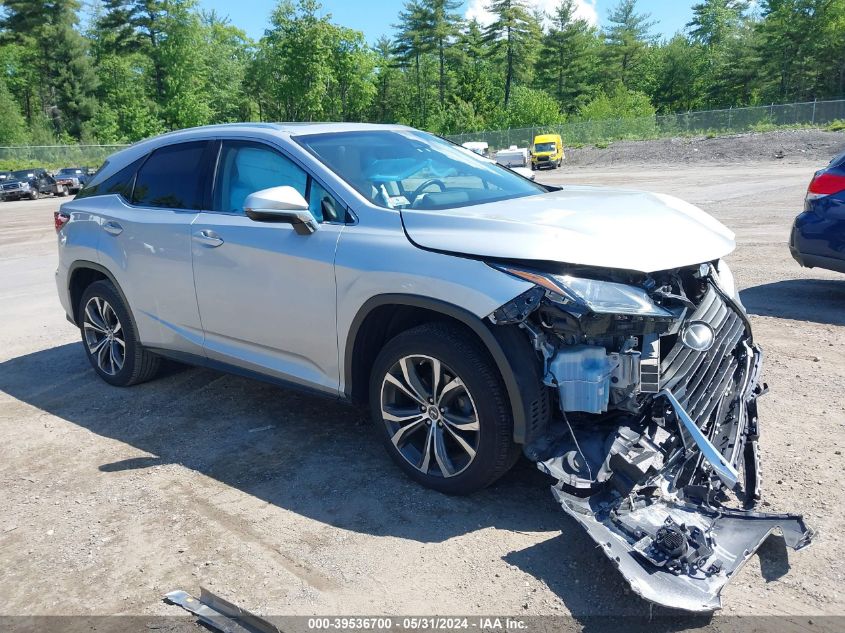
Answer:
(412, 43)
(714, 22)
(626, 39)
(513, 36)
(567, 60)
(65, 75)
(442, 25)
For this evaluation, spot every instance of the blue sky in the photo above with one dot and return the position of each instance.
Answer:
(375, 17)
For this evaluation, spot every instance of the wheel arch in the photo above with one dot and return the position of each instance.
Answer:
(83, 273)
(383, 316)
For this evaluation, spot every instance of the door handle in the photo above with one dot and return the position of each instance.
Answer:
(208, 238)
(112, 228)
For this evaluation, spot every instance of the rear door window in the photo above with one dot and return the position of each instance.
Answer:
(172, 177)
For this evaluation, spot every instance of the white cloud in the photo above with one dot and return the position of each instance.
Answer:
(584, 9)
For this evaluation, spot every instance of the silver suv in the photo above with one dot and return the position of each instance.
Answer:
(479, 314)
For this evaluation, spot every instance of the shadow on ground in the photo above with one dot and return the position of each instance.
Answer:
(321, 459)
(817, 300)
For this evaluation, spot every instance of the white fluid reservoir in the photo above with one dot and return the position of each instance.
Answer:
(582, 376)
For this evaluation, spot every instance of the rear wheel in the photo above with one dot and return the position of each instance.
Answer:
(110, 338)
(440, 407)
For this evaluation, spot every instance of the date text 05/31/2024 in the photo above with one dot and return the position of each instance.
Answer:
(430, 623)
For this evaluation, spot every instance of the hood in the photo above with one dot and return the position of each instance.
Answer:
(588, 226)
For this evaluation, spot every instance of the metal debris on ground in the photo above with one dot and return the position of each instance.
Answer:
(220, 614)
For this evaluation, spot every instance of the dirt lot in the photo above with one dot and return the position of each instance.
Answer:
(286, 504)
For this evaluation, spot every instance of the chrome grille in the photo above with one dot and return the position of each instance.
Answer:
(700, 380)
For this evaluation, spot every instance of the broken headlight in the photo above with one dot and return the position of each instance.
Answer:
(600, 297)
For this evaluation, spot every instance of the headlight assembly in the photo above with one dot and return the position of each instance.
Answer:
(600, 297)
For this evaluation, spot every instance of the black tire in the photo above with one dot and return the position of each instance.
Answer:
(139, 365)
(35, 195)
(464, 357)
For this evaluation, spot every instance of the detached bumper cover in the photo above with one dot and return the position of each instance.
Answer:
(717, 544)
(670, 536)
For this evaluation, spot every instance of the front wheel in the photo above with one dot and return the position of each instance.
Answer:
(439, 404)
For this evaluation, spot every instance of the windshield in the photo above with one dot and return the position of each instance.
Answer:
(23, 174)
(400, 169)
(544, 147)
(69, 171)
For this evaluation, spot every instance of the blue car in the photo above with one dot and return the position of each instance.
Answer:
(818, 234)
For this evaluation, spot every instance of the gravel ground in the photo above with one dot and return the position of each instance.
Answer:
(785, 145)
(286, 504)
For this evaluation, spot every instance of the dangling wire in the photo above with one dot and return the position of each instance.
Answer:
(575, 439)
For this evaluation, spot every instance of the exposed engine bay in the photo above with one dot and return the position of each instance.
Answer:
(653, 442)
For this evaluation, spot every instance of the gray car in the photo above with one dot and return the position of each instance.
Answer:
(478, 314)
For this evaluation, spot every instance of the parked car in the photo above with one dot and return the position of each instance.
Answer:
(72, 177)
(818, 234)
(547, 151)
(479, 147)
(31, 184)
(476, 313)
(513, 156)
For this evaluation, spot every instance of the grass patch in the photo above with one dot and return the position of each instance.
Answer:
(836, 126)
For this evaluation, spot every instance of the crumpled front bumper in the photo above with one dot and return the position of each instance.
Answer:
(680, 547)
(728, 538)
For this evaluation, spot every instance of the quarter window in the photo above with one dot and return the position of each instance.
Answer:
(172, 178)
(119, 183)
(323, 205)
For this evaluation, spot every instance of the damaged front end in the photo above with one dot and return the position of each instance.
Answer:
(654, 440)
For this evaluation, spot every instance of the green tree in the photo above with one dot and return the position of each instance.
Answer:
(391, 102)
(350, 88)
(529, 107)
(411, 46)
(62, 71)
(680, 75)
(476, 85)
(12, 123)
(513, 36)
(307, 68)
(225, 55)
(441, 26)
(567, 63)
(184, 102)
(618, 103)
(627, 38)
(791, 50)
(715, 22)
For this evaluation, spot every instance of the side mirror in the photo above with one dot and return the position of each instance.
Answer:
(283, 205)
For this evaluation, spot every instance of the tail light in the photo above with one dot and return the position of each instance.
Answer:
(825, 183)
(60, 218)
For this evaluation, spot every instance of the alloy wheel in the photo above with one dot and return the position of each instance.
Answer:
(430, 416)
(104, 336)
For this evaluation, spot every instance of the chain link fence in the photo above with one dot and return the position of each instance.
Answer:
(54, 157)
(705, 122)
